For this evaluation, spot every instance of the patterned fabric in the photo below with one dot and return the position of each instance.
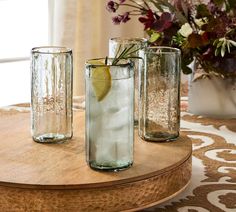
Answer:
(213, 184)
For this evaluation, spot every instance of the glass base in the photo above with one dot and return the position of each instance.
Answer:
(51, 138)
(159, 137)
(109, 167)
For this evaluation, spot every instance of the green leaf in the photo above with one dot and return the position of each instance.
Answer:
(202, 11)
(127, 53)
(218, 2)
(154, 37)
(186, 61)
(222, 52)
(232, 3)
(228, 46)
(233, 43)
(217, 52)
(219, 44)
(186, 69)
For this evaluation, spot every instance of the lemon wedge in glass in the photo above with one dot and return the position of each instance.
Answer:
(101, 79)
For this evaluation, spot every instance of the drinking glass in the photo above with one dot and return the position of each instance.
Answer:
(109, 115)
(159, 109)
(51, 94)
(117, 45)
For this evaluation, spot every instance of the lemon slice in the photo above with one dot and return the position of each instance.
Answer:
(101, 79)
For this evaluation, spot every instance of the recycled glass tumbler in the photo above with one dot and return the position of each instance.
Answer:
(109, 115)
(159, 111)
(51, 94)
(117, 45)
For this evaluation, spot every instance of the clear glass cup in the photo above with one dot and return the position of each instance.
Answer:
(109, 115)
(51, 94)
(159, 109)
(119, 44)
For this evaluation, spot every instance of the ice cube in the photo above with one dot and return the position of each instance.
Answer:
(118, 96)
(116, 118)
(110, 150)
(106, 150)
(124, 148)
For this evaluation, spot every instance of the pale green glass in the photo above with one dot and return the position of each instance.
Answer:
(110, 121)
(51, 94)
(159, 109)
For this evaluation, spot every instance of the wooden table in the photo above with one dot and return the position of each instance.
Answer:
(55, 177)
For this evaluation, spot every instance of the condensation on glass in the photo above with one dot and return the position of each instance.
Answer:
(118, 45)
(110, 120)
(51, 94)
(159, 108)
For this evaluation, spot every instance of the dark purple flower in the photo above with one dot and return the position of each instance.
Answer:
(125, 17)
(148, 20)
(117, 19)
(122, 1)
(112, 6)
(166, 16)
(121, 18)
(163, 23)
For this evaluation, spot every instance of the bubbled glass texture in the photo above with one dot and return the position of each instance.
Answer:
(159, 108)
(51, 95)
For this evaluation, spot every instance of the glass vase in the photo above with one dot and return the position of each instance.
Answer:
(109, 115)
(159, 108)
(51, 94)
(117, 45)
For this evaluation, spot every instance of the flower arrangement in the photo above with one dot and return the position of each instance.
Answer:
(203, 31)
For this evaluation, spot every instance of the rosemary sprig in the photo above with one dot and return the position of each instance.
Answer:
(126, 54)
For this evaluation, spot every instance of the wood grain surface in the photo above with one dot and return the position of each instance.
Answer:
(55, 177)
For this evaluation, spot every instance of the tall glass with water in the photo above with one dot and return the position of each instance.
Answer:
(109, 115)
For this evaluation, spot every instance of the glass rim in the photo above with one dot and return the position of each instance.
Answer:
(51, 50)
(130, 39)
(126, 64)
(172, 50)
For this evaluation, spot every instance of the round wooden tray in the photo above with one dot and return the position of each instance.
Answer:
(55, 177)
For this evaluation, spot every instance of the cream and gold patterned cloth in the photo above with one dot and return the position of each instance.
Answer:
(213, 184)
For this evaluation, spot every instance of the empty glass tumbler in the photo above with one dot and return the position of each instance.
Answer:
(109, 115)
(159, 109)
(117, 45)
(51, 94)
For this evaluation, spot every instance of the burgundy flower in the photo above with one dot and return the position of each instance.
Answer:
(166, 16)
(148, 20)
(205, 38)
(121, 18)
(125, 17)
(122, 1)
(117, 19)
(163, 23)
(112, 6)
